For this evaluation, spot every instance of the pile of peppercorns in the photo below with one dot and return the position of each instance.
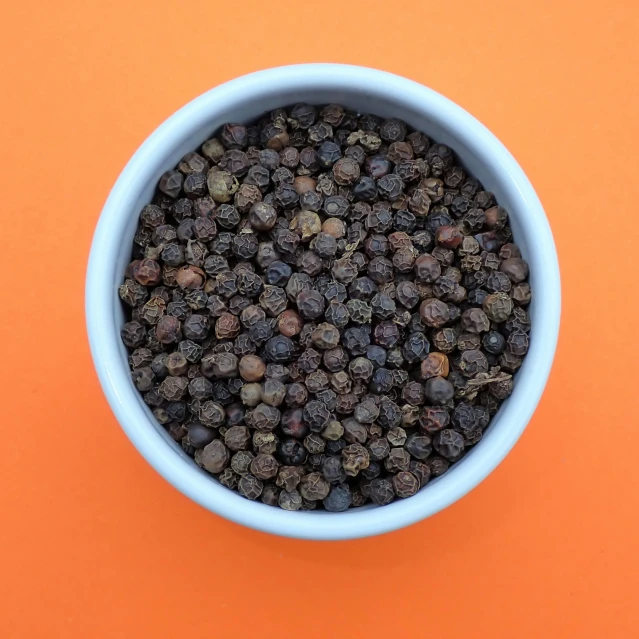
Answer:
(325, 308)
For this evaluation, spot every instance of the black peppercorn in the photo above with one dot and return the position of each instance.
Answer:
(381, 381)
(356, 339)
(338, 499)
(449, 444)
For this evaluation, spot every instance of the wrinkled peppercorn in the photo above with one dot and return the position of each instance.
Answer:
(449, 444)
(354, 459)
(405, 484)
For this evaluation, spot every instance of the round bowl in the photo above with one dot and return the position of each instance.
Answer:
(367, 91)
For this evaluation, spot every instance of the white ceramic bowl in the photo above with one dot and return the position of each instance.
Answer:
(365, 90)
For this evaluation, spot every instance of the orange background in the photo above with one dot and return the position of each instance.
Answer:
(94, 544)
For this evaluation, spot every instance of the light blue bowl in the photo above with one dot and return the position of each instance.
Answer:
(364, 90)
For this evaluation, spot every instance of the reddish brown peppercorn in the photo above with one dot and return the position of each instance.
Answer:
(147, 272)
(252, 368)
(434, 312)
(435, 365)
(190, 277)
(448, 236)
(168, 330)
(304, 184)
(289, 323)
(227, 326)
(334, 227)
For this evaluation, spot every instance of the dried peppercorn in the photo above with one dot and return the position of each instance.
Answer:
(373, 471)
(521, 293)
(133, 334)
(264, 417)
(517, 342)
(359, 311)
(337, 314)
(211, 414)
(378, 449)
(363, 288)
(168, 330)
(438, 466)
(317, 381)
(449, 444)
(367, 412)
(434, 365)
(356, 340)
(438, 390)
(264, 466)
(335, 359)
(252, 368)
(316, 415)
(310, 304)
(433, 419)
(314, 487)
(405, 484)
(332, 469)
(338, 499)
(472, 362)
(273, 300)
(464, 417)
(434, 312)
(214, 457)
(398, 459)
(279, 349)
(237, 438)
(421, 471)
(133, 293)
(416, 348)
(289, 477)
(381, 381)
(381, 491)
(229, 478)
(292, 423)
(413, 393)
(498, 282)
(195, 327)
(241, 461)
(387, 334)
(354, 459)
(291, 452)
(445, 340)
(250, 487)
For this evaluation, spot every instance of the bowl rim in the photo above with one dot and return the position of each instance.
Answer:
(104, 336)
